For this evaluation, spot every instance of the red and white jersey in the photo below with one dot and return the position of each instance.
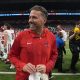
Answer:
(2, 44)
(2, 37)
(13, 34)
(8, 40)
(9, 36)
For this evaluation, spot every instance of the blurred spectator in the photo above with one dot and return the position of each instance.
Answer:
(8, 39)
(59, 28)
(60, 44)
(74, 45)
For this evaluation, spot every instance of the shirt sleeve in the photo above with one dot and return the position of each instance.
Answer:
(54, 53)
(15, 53)
(64, 35)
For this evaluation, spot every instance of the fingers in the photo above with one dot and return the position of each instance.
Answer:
(41, 68)
(29, 68)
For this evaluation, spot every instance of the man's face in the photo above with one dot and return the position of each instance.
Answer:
(58, 28)
(36, 20)
(4, 27)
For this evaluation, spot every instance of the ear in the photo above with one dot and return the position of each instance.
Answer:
(45, 20)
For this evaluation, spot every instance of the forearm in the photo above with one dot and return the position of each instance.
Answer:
(72, 36)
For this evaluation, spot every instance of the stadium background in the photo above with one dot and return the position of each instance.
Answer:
(21, 7)
(9, 9)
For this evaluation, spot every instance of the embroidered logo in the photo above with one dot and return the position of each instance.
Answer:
(46, 44)
(29, 43)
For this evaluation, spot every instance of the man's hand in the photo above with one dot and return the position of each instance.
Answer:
(30, 68)
(41, 68)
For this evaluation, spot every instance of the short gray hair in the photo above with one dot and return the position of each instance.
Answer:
(40, 8)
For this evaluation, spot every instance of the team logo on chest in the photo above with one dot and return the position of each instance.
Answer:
(46, 44)
(29, 43)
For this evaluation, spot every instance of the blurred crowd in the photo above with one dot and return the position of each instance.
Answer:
(8, 34)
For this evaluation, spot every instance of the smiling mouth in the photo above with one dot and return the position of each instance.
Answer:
(32, 25)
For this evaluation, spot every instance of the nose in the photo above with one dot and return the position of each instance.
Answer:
(30, 20)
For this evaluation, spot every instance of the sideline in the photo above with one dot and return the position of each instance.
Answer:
(52, 73)
(70, 74)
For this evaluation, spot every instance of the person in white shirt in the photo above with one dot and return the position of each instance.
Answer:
(8, 39)
(13, 34)
(64, 38)
(1, 45)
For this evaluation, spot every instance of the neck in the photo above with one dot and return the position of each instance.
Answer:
(39, 31)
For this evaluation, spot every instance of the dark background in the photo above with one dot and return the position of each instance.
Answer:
(25, 5)
(10, 6)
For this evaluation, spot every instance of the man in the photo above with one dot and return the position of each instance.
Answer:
(34, 50)
(1, 44)
(74, 45)
(8, 40)
(7, 36)
(64, 38)
(60, 44)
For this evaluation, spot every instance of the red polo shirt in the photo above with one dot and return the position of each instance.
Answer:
(31, 48)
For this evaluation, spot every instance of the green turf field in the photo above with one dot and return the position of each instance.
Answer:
(7, 77)
(12, 77)
(66, 64)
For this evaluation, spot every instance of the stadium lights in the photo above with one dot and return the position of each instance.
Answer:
(63, 14)
(12, 14)
(27, 14)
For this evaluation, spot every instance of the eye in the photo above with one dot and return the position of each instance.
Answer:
(32, 17)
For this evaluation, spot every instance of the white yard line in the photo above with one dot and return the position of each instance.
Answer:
(52, 73)
(7, 72)
(65, 74)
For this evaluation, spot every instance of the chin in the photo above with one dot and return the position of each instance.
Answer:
(33, 28)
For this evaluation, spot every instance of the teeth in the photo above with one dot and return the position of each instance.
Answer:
(30, 25)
